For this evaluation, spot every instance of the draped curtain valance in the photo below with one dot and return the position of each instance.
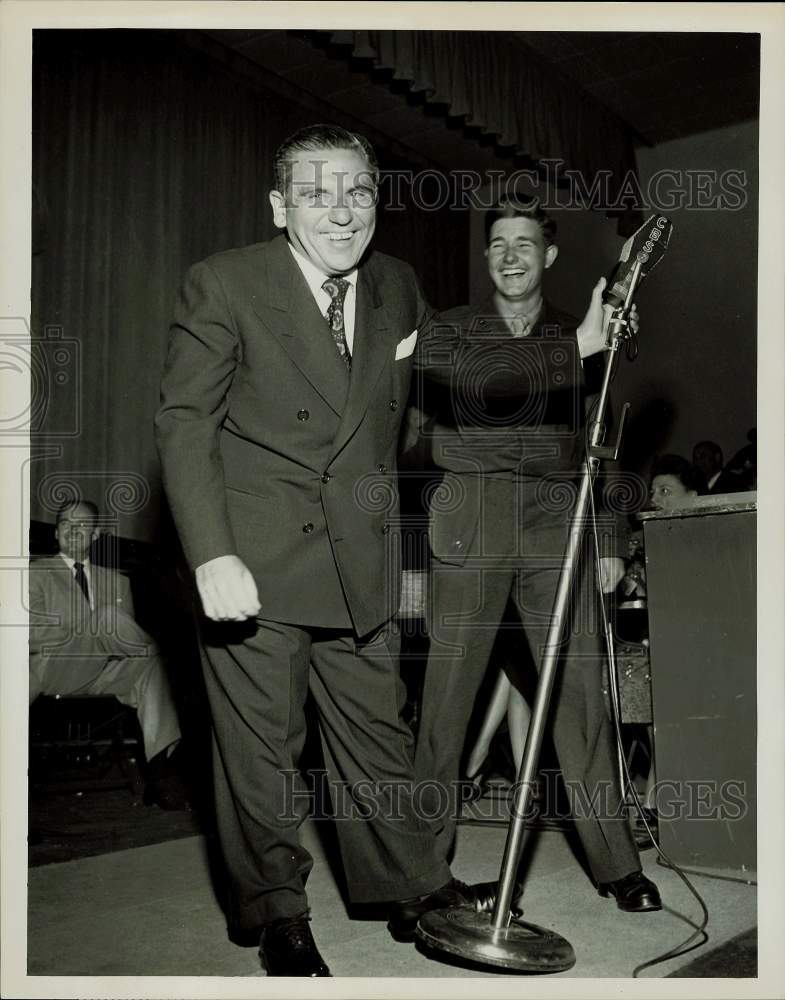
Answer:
(497, 87)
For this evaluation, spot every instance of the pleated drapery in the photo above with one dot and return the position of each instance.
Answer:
(496, 86)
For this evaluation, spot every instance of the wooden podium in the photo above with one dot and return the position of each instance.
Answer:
(700, 576)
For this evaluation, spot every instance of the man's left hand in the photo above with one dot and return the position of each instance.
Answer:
(611, 573)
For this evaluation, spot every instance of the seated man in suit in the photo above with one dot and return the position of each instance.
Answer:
(84, 641)
(707, 456)
(737, 476)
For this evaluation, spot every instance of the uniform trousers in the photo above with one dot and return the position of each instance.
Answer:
(518, 557)
(257, 682)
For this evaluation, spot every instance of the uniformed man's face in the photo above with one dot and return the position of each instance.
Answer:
(517, 258)
(329, 209)
(76, 531)
(669, 492)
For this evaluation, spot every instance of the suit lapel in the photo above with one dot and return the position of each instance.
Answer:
(372, 349)
(289, 312)
(62, 580)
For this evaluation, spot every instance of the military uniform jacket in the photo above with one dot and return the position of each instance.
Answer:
(532, 440)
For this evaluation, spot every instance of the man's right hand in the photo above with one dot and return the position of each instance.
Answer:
(593, 331)
(227, 589)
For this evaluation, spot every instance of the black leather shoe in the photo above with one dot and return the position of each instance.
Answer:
(634, 893)
(287, 948)
(405, 913)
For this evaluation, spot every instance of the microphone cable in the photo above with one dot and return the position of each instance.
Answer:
(699, 936)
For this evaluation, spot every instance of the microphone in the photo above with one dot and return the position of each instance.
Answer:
(647, 245)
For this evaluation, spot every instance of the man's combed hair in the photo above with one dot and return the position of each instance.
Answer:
(317, 138)
(674, 465)
(69, 505)
(510, 207)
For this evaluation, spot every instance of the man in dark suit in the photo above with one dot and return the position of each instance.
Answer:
(509, 466)
(288, 372)
(707, 457)
(84, 641)
(731, 478)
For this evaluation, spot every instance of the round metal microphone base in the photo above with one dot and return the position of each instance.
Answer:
(522, 947)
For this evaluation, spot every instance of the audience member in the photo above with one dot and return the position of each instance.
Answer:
(84, 641)
(675, 483)
(707, 458)
(741, 473)
(508, 702)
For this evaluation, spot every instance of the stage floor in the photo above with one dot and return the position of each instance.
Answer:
(152, 911)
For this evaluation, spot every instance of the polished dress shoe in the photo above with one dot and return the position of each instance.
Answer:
(405, 913)
(634, 893)
(287, 948)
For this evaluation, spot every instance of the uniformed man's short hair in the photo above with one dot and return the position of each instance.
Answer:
(512, 207)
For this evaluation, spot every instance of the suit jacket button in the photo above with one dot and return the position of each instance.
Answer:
(382, 468)
(307, 528)
(393, 404)
(385, 529)
(326, 477)
(303, 414)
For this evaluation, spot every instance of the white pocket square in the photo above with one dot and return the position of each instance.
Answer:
(405, 347)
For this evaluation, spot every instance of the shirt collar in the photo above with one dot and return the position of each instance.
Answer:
(531, 320)
(314, 276)
(70, 563)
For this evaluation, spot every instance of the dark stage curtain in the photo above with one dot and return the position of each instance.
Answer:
(148, 156)
(501, 88)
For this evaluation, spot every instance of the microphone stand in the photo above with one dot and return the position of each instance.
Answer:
(502, 939)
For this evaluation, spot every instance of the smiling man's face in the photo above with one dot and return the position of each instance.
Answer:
(329, 208)
(76, 530)
(517, 256)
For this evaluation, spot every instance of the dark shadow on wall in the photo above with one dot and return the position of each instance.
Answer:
(647, 432)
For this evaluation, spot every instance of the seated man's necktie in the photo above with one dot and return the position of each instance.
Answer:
(337, 288)
(82, 607)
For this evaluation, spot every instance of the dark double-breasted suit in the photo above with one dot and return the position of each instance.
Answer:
(272, 451)
(498, 528)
